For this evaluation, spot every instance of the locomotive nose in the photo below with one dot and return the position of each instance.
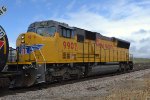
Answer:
(4, 48)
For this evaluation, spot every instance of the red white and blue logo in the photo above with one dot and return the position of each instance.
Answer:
(2, 34)
(24, 49)
(1, 44)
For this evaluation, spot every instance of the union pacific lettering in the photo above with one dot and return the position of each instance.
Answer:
(3, 10)
(104, 46)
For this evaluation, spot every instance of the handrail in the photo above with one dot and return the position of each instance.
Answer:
(41, 55)
(43, 58)
(34, 54)
(130, 57)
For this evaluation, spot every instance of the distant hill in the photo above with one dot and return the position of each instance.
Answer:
(141, 60)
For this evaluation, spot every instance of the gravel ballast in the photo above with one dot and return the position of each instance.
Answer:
(95, 89)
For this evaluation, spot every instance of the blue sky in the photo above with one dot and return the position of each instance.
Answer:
(125, 19)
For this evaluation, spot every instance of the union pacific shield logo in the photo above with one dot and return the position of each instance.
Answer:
(29, 49)
(1, 44)
(2, 32)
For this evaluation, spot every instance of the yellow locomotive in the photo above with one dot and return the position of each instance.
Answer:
(51, 51)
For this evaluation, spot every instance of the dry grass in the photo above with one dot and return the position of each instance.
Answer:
(129, 95)
(135, 90)
(141, 60)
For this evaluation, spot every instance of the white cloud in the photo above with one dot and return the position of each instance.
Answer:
(125, 19)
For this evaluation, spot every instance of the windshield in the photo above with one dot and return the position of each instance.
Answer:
(46, 31)
(31, 30)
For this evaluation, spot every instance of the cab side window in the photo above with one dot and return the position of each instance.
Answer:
(46, 31)
(67, 33)
(64, 32)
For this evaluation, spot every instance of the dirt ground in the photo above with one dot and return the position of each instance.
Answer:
(137, 88)
(129, 86)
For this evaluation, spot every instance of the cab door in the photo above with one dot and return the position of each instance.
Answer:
(68, 45)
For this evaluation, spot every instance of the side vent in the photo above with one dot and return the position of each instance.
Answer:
(74, 56)
(64, 55)
(68, 55)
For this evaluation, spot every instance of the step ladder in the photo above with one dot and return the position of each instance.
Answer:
(41, 68)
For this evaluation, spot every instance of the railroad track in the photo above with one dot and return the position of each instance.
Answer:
(7, 91)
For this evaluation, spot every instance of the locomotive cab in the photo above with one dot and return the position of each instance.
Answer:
(40, 49)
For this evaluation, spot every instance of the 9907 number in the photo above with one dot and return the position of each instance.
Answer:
(70, 45)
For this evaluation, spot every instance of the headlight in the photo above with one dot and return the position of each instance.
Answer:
(22, 41)
(22, 37)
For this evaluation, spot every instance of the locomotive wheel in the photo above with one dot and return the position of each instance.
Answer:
(49, 78)
(127, 67)
(25, 79)
(66, 76)
(122, 67)
(29, 77)
(131, 66)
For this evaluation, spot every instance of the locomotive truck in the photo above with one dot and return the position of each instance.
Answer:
(53, 51)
